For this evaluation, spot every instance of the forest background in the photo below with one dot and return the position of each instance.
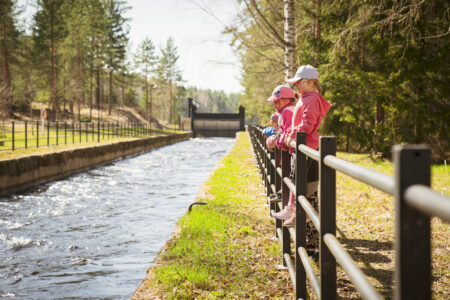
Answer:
(383, 64)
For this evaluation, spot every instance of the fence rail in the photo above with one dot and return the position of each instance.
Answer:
(34, 134)
(415, 202)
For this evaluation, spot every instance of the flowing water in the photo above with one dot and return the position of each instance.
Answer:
(94, 234)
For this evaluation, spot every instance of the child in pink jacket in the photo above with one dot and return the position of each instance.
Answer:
(283, 99)
(307, 117)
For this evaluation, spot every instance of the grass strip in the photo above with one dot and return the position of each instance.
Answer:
(224, 249)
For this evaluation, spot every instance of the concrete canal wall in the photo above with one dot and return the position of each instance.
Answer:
(22, 173)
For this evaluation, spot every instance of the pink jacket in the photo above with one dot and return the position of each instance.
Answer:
(308, 114)
(284, 122)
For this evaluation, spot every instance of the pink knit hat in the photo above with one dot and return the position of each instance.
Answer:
(281, 91)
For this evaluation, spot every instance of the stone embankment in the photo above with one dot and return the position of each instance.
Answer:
(21, 173)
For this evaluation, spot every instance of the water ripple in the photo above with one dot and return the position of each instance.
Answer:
(101, 228)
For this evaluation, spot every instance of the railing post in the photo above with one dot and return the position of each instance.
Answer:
(412, 228)
(87, 134)
(57, 133)
(278, 223)
(65, 132)
(13, 135)
(285, 170)
(26, 134)
(98, 131)
(300, 219)
(327, 212)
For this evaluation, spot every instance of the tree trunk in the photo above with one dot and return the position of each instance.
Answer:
(317, 32)
(6, 72)
(123, 89)
(289, 36)
(53, 74)
(146, 95)
(110, 92)
(171, 101)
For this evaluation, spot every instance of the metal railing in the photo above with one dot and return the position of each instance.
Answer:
(415, 203)
(34, 134)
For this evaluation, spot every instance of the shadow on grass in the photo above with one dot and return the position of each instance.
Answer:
(369, 253)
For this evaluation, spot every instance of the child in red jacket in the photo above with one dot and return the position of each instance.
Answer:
(307, 117)
(283, 99)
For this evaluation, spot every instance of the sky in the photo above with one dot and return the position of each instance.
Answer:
(206, 59)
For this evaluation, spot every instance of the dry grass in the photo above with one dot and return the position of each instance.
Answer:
(365, 221)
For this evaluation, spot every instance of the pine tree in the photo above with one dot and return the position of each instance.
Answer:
(8, 42)
(169, 73)
(145, 60)
(49, 31)
(117, 41)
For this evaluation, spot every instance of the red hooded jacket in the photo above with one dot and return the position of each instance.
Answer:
(308, 114)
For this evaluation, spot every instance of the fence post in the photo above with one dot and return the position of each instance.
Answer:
(57, 133)
(26, 134)
(37, 134)
(98, 131)
(65, 133)
(278, 223)
(285, 170)
(412, 228)
(327, 212)
(13, 135)
(300, 219)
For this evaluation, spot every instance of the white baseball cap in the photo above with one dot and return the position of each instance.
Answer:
(304, 72)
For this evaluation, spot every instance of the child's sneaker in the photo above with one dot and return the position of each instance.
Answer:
(290, 222)
(284, 214)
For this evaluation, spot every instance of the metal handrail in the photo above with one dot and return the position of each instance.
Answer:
(309, 210)
(27, 134)
(351, 269)
(428, 201)
(376, 179)
(314, 154)
(309, 271)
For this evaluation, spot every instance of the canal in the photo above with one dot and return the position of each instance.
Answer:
(94, 234)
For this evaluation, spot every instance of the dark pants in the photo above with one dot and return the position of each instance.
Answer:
(312, 178)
